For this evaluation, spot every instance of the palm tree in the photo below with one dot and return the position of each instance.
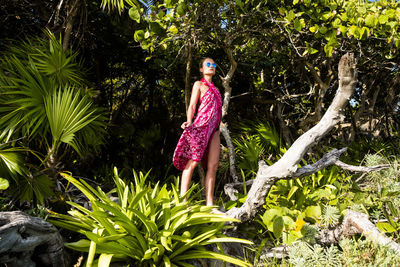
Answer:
(43, 101)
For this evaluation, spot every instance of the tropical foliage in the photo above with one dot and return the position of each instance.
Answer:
(43, 108)
(144, 225)
(135, 64)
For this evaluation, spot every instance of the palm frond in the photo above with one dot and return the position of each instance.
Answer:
(67, 113)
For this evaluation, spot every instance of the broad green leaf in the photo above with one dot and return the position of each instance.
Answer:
(180, 9)
(297, 25)
(370, 20)
(314, 28)
(278, 226)
(386, 227)
(134, 14)
(4, 184)
(139, 35)
(173, 29)
(313, 212)
(290, 16)
(383, 19)
(323, 29)
(269, 216)
(364, 33)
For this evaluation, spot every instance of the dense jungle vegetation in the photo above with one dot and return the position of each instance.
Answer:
(93, 94)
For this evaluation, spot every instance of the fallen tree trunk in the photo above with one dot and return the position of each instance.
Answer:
(286, 167)
(356, 223)
(331, 158)
(29, 241)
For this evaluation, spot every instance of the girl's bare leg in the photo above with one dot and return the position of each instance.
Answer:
(187, 176)
(212, 166)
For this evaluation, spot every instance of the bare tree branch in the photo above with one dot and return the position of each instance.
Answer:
(329, 159)
(287, 165)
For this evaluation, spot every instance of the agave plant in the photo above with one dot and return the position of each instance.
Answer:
(145, 226)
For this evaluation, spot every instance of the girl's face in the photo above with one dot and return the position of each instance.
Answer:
(208, 67)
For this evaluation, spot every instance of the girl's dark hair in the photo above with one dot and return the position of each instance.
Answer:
(202, 61)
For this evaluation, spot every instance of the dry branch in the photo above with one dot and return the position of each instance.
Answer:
(330, 158)
(267, 176)
(227, 96)
(356, 223)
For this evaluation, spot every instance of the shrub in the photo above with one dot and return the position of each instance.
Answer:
(145, 226)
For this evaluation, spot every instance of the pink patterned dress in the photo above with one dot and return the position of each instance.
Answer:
(195, 139)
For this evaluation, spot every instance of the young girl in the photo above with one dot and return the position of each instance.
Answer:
(200, 140)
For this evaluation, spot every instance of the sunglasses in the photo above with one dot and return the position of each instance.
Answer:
(208, 64)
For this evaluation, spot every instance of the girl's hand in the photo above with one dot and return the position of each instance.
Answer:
(185, 125)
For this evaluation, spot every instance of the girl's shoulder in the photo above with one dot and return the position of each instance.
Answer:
(199, 84)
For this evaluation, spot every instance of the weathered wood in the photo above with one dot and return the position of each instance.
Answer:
(331, 158)
(23, 236)
(227, 97)
(267, 176)
(361, 168)
(229, 144)
(356, 223)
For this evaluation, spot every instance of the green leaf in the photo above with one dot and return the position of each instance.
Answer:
(370, 20)
(385, 227)
(180, 9)
(290, 16)
(292, 191)
(362, 9)
(323, 29)
(269, 216)
(326, 15)
(313, 212)
(4, 184)
(314, 28)
(139, 35)
(134, 14)
(328, 50)
(364, 33)
(278, 226)
(211, 255)
(68, 113)
(173, 29)
(156, 28)
(81, 245)
(383, 19)
(297, 25)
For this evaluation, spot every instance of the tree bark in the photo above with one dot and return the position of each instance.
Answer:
(331, 158)
(23, 236)
(69, 22)
(356, 223)
(287, 165)
(224, 127)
